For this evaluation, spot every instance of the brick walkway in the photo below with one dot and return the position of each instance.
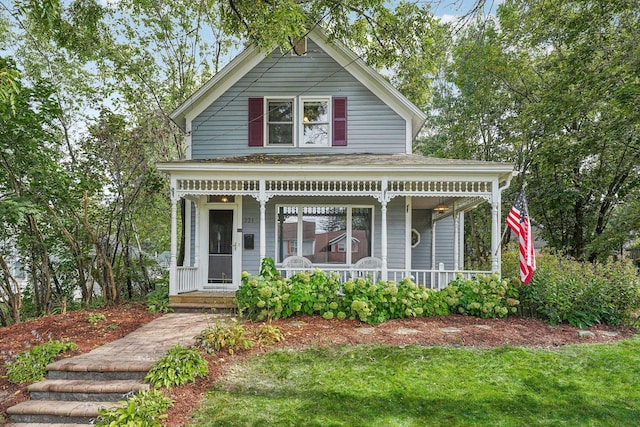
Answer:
(77, 387)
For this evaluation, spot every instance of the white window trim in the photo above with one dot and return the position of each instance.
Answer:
(300, 123)
(294, 113)
(349, 208)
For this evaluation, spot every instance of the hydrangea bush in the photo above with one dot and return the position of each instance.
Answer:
(269, 296)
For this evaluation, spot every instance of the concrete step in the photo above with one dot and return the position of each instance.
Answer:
(202, 301)
(188, 307)
(84, 390)
(77, 368)
(46, 425)
(51, 411)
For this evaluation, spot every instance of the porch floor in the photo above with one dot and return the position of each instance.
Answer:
(202, 301)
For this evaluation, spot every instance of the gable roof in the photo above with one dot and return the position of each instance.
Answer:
(346, 58)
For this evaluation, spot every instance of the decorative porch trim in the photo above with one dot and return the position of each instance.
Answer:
(379, 188)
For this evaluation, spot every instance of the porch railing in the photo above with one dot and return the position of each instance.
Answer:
(433, 279)
(187, 279)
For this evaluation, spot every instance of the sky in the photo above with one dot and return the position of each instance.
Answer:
(451, 10)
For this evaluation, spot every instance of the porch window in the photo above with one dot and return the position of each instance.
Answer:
(280, 116)
(325, 234)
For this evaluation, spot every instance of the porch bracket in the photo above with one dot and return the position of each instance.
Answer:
(384, 197)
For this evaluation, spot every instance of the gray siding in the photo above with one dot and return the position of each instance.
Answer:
(221, 130)
(251, 225)
(444, 243)
(396, 234)
(421, 254)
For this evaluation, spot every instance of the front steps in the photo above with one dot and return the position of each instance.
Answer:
(73, 393)
(77, 386)
(202, 302)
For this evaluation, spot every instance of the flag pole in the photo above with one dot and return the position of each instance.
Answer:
(504, 233)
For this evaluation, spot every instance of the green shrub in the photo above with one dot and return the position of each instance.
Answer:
(484, 296)
(158, 299)
(269, 296)
(30, 366)
(95, 318)
(564, 290)
(220, 336)
(269, 334)
(144, 408)
(178, 366)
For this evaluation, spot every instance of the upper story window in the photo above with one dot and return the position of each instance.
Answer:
(280, 121)
(315, 128)
(297, 122)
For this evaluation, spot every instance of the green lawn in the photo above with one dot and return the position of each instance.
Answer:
(582, 385)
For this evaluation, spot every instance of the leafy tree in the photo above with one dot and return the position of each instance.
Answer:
(552, 88)
(28, 158)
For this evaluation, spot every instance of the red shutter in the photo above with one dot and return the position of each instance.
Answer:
(256, 122)
(339, 122)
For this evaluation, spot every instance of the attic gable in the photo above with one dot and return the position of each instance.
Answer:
(251, 57)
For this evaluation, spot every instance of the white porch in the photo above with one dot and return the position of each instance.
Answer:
(419, 181)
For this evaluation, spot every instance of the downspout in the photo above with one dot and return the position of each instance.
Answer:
(496, 207)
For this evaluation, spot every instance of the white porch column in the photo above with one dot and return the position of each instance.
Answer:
(173, 267)
(495, 230)
(456, 238)
(383, 240)
(196, 259)
(384, 252)
(263, 220)
(187, 233)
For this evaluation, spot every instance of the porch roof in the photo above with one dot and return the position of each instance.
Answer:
(340, 162)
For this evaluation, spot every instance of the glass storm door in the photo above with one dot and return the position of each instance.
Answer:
(220, 246)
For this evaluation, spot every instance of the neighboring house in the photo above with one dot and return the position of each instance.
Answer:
(301, 154)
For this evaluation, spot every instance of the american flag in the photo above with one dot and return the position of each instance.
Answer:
(518, 221)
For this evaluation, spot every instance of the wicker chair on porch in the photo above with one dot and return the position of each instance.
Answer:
(297, 263)
(367, 266)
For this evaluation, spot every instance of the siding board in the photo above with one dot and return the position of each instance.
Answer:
(372, 126)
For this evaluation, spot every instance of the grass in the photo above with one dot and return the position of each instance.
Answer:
(582, 385)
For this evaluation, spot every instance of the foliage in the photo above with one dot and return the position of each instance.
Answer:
(551, 88)
(484, 296)
(94, 318)
(30, 366)
(431, 386)
(321, 293)
(222, 336)
(581, 293)
(269, 334)
(144, 408)
(158, 299)
(406, 39)
(178, 366)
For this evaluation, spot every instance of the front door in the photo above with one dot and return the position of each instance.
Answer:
(221, 248)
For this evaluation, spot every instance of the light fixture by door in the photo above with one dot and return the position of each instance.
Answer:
(441, 208)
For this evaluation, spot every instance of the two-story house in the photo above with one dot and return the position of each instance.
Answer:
(309, 154)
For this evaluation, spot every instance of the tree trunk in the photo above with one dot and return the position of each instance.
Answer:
(109, 289)
(12, 295)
